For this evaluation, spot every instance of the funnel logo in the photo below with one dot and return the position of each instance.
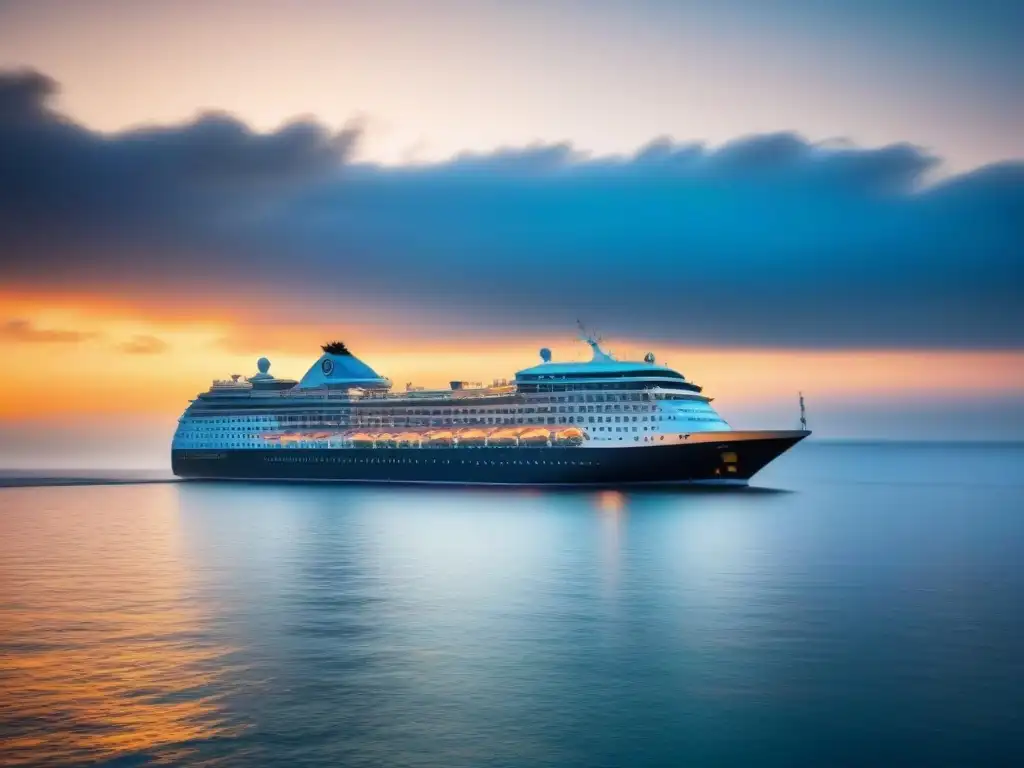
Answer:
(327, 366)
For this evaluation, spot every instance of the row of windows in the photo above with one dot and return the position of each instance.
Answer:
(306, 444)
(343, 459)
(665, 374)
(318, 420)
(527, 388)
(446, 413)
(217, 444)
(200, 431)
(374, 460)
(322, 445)
(458, 410)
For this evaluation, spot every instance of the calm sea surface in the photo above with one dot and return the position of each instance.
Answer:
(867, 609)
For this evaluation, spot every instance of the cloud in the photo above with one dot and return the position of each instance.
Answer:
(144, 345)
(23, 96)
(769, 240)
(24, 331)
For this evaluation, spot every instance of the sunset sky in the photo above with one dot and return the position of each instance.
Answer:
(809, 195)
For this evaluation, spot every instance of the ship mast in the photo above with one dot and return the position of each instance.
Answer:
(594, 342)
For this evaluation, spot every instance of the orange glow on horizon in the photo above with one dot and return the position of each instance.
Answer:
(97, 375)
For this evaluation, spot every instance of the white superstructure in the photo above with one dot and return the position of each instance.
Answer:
(342, 403)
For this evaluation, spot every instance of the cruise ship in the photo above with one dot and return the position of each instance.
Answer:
(604, 422)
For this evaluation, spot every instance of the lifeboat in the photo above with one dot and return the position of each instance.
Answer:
(504, 437)
(570, 436)
(385, 440)
(534, 436)
(440, 438)
(407, 439)
(473, 437)
(362, 440)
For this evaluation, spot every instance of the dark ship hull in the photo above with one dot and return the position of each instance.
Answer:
(722, 457)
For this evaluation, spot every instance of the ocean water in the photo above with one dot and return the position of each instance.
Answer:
(863, 605)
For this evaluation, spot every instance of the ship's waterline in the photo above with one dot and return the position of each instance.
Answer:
(602, 422)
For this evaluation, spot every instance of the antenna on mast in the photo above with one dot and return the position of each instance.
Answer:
(803, 413)
(587, 335)
(594, 341)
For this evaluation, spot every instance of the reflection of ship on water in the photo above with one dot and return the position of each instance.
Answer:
(604, 421)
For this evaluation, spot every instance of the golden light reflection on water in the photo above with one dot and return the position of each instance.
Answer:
(611, 502)
(102, 642)
(611, 506)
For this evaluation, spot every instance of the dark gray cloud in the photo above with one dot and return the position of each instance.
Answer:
(26, 332)
(768, 240)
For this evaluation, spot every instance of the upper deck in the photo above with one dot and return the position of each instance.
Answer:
(337, 380)
(340, 401)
